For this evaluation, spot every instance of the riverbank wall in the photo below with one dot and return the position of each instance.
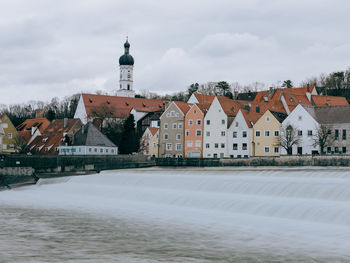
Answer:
(343, 161)
(23, 169)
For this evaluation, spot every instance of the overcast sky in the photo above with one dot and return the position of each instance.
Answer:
(57, 48)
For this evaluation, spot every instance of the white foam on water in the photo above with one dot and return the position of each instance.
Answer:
(289, 210)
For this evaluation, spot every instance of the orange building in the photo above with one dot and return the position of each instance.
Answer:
(194, 131)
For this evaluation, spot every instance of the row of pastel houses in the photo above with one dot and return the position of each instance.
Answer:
(210, 126)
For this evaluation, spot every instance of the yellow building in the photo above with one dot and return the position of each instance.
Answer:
(266, 134)
(154, 144)
(11, 141)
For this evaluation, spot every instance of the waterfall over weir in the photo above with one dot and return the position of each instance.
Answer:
(226, 214)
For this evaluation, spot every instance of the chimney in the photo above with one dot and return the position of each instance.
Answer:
(65, 122)
(165, 105)
(39, 113)
(235, 94)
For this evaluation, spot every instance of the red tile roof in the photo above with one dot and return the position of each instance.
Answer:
(320, 100)
(153, 130)
(183, 106)
(275, 94)
(118, 107)
(25, 128)
(204, 98)
(52, 136)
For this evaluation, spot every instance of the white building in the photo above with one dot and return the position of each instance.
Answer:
(240, 135)
(89, 141)
(215, 131)
(305, 127)
(2, 134)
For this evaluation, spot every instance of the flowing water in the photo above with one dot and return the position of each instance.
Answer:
(181, 215)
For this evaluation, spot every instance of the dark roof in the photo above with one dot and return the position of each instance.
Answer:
(329, 115)
(250, 96)
(89, 135)
(126, 59)
(280, 116)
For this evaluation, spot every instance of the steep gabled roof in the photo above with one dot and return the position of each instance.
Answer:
(118, 107)
(280, 116)
(25, 128)
(89, 135)
(183, 106)
(329, 115)
(320, 100)
(204, 98)
(153, 130)
(57, 126)
(251, 117)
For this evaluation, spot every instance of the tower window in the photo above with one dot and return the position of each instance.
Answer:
(129, 75)
(128, 86)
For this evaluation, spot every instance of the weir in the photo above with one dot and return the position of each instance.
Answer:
(290, 210)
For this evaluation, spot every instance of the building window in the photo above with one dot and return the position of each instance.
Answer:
(5, 125)
(199, 122)
(267, 133)
(267, 118)
(106, 150)
(336, 149)
(344, 135)
(95, 150)
(208, 122)
(344, 149)
(9, 135)
(169, 146)
(154, 145)
(198, 132)
(189, 143)
(216, 145)
(178, 147)
(208, 133)
(179, 126)
(172, 114)
(207, 146)
(101, 150)
(300, 133)
(222, 145)
(190, 122)
(178, 136)
(234, 134)
(90, 150)
(235, 146)
(236, 124)
(244, 146)
(174, 126)
(223, 121)
(257, 134)
(112, 150)
(166, 136)
(187, 133)
(276, 149)
(12, 147)
(276, 133)
(244, 134)
(329, 149)
(223, 133)
(309, 133)
(198, 143)
(165, 126)
(336, 135)
(267, 149)
(300, 118)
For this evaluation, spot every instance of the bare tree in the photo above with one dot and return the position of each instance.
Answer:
(323, 137)
(288, 138)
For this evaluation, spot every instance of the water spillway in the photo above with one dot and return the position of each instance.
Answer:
(193, 215)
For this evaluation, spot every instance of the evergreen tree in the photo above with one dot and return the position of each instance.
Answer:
(129, 143)
(223, 89)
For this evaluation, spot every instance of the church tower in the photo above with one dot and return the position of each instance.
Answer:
(126, 65)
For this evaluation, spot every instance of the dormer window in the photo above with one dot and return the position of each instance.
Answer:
(90, 100)
(45, 139)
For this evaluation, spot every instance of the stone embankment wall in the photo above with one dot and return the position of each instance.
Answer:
(23, 169)
(340, 160)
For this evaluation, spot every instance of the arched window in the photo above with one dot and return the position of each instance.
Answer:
(128, 86)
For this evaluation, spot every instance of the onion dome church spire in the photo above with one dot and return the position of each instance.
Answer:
(126, 66)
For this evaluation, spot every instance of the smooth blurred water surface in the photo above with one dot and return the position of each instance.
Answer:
(181, 215)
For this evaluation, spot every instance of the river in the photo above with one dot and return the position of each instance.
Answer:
(181, 215)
